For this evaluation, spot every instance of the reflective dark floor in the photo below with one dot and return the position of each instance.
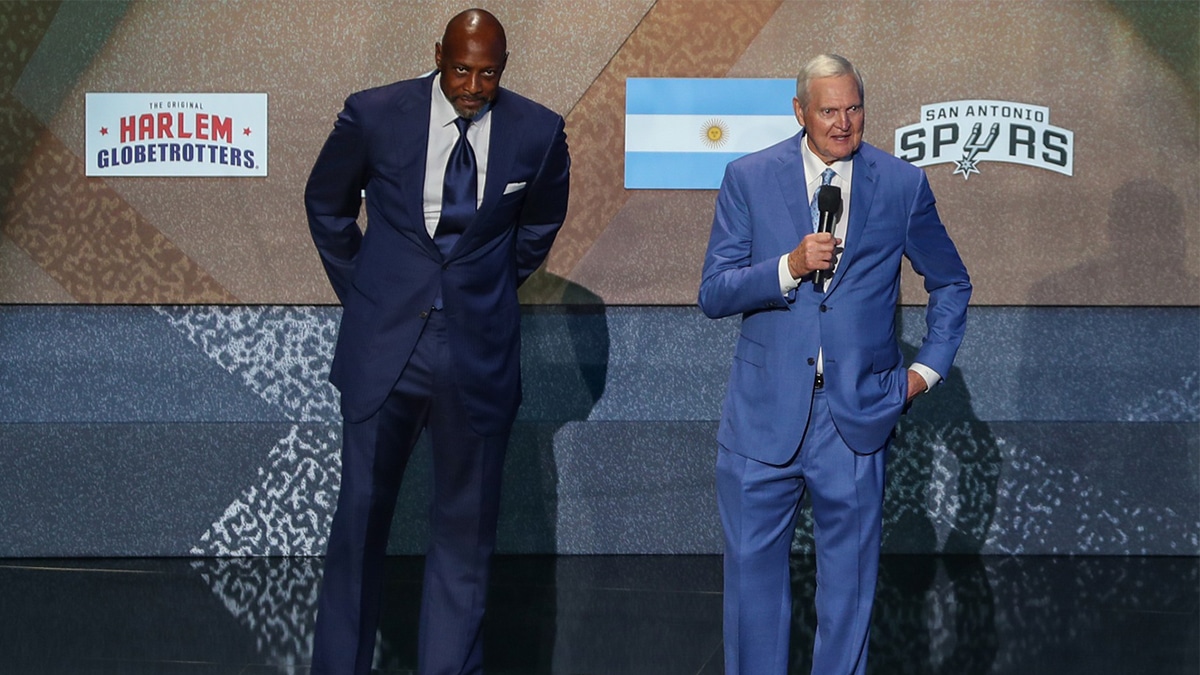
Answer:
(651, 615)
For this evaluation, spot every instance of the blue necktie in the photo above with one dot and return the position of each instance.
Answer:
(826, 176)
(459, 191)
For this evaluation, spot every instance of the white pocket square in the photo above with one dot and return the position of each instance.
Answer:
(513, 187)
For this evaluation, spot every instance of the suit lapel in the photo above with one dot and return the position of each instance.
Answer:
(502, 151)
(411, 134)
(862, 194)
(792, 184)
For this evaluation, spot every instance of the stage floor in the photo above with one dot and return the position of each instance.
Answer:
(603, 615)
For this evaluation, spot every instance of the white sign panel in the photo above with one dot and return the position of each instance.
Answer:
(967, 133)
(132, 134)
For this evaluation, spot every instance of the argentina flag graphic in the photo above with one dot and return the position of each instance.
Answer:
(681, 132)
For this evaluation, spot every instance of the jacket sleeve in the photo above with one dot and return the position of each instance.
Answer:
(733, 281)
(333, 197)
(934, 256)
(545, 208)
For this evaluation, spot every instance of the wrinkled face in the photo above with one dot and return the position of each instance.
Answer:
(471, 66)
(833, 118)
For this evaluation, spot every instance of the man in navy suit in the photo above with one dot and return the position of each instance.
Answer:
(817, 383)
(466, 187)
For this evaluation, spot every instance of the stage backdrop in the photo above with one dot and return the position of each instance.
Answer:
(1119, 78)
(164, 340)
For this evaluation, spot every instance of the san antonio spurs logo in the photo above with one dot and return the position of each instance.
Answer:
(966, 133)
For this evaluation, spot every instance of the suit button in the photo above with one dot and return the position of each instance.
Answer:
(425, 315)
(824, 308)
(812, 361)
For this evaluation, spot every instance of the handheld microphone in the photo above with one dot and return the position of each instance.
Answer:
(829, 204)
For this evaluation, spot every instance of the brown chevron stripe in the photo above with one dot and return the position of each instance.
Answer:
(22, 26)
(78, 230)
(84, 235)
(677, 38)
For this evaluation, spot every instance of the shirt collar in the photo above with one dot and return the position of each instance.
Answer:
(814, 167)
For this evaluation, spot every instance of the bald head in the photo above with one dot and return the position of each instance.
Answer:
(475, 24)
(471, 57)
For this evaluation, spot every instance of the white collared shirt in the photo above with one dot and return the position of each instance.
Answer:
(813, 168)
(442, 137)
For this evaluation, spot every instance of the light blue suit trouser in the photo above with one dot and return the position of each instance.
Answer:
(759, 504)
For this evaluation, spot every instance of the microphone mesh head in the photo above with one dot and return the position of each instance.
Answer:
(829, 198)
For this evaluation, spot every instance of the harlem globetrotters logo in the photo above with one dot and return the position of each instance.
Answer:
(967, 133)
(139, 134)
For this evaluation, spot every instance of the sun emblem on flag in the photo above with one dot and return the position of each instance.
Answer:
(714, 133)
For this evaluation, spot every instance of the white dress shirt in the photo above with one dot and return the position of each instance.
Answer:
(443, 134)
(843, 177)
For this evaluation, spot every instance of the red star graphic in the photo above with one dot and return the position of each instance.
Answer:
(246, 131)
(103, 131)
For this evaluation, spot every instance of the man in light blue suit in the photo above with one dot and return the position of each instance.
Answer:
(817, 383)
(466, 187)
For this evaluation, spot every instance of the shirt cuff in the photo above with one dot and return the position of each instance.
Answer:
(786, 283)
(928, 374)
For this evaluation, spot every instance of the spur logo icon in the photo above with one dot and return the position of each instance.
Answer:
(967, 133)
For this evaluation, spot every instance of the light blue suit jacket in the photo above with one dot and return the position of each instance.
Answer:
(762, 213)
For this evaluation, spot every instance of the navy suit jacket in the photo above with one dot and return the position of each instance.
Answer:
(762, 213)
(388, 277)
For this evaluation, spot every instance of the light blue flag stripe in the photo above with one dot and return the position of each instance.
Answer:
(676, 170)
(704, 96)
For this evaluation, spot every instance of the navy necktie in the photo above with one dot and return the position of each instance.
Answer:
(459, 191)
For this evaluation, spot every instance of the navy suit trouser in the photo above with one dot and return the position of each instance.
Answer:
(759, 504)
(467, 470)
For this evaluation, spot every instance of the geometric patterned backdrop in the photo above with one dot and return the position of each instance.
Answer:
(211, 431)
(168, 419)
(1121, 76)
(187, 412)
